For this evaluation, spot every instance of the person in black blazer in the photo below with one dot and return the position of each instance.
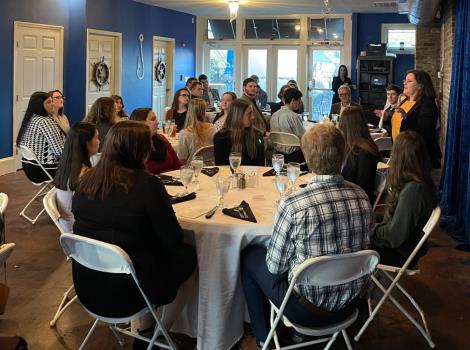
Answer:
(118, 202)
(341, 79)
(424, 115)
(362, 154)
(239, 135)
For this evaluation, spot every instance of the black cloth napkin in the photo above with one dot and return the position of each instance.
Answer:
(272, 172)
(242, 211)
(169, 180)
(210, 171)
(179, 199)
(303, 185)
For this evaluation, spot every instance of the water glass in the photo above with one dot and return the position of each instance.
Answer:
(222, 186)
(197, 163)
(186, 176)
(293, 173)
(235, 159)
(281, 185)
(278, 163)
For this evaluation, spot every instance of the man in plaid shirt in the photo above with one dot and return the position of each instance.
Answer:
(329, 216)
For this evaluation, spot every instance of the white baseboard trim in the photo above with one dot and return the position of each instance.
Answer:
(7, 165)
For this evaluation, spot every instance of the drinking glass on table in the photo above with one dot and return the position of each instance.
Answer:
(197, 163)
(281, 185)
(222, 185)
(186, 176)
(166, 128)
(278, 163)
(235, 159)
(293, 173)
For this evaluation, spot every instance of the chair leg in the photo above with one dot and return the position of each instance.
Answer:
(90, 332)
(271, 322)
(117, 335)
(346, 339)
(39, 193)
(61, 309)
(332, 340)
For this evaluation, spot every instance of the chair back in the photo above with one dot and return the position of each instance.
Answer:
(3, 203)
(332, 270)
(384, 143)
(380, 183)
(207, 153)
(29, 155)
(96, 255)
(284, 139)
(5, 251)
(50, 204)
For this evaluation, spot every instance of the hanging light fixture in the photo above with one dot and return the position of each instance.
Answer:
(233, 7)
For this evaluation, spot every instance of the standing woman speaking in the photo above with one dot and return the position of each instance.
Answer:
(341, 79)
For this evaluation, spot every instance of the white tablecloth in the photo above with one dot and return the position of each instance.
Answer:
(216, 314)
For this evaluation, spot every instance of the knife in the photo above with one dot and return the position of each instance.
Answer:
(211, 212)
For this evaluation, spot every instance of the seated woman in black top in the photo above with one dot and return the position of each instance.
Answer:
(179, 108)
(238, 135)
(118, 202)
(362, 154)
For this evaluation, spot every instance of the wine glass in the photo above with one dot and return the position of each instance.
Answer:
(197, 164)
(186, 176)
(278, 163)
(235, 159)
(281, 185)
(293, 173)
(222, 185)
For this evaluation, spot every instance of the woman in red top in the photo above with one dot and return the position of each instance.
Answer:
(163, 157)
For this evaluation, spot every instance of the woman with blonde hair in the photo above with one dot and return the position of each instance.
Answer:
(103, 115)
(196, 133)
(239, 135)
(58, 114)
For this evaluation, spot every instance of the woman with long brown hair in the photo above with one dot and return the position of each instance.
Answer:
(121, 114)
(411, 200)
(239, 135)
(362, 154)
(179, 108)
(119, 202)
(163, 157)
(196, 133)
(103, 115)
(220, 118)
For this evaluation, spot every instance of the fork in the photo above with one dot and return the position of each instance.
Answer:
(242, 212)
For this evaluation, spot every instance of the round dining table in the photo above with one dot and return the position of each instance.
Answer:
(216, 313)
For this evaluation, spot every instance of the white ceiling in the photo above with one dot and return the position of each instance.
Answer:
(275, 7)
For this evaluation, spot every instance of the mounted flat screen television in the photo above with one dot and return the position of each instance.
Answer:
(378, 80)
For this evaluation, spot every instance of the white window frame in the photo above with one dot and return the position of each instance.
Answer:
(405, 26)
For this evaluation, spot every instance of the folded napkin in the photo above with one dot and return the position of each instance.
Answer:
(242, 211)
(179, 199)
(303, 185)
(169, 180)
(272, 172)
(210, 171)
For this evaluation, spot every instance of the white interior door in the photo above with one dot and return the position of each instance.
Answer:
(103, 46)
(162, 81)
(38, 66)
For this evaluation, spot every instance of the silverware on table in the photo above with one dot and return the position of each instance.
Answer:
(211, 212)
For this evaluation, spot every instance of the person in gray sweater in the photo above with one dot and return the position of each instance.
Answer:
(411, 200)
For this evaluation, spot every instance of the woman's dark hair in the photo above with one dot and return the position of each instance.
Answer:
(339, 69)
(126, 149)
(174, 105)
(74, 156)
(231, 93)
(61, 109)
(122, 113)
(102, 111)
(35, 107)
(409, 161)
(426, 87)
(158, 153)
(282, 90)
(355, 131)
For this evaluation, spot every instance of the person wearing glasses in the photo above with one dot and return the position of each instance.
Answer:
(179, 108)
(58, 112)
(344, 93)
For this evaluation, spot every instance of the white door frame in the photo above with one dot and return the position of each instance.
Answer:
(8, 165)
(117, 59)
(170, 69)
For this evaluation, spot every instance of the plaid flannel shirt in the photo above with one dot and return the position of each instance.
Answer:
(329, 216)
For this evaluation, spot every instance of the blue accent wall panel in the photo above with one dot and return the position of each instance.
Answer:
(368, 29)
(131, 18)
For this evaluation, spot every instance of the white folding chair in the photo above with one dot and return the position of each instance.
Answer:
(384, 143)
(50, 205)
(109, 258)
(3, 203)
(5, 251)
(387, 270)
(284, 139)
(44, 186)
(207, 153)
(323, 271)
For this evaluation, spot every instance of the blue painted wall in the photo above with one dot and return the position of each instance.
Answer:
(123, 16)
(131, 19)
(367, 28)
